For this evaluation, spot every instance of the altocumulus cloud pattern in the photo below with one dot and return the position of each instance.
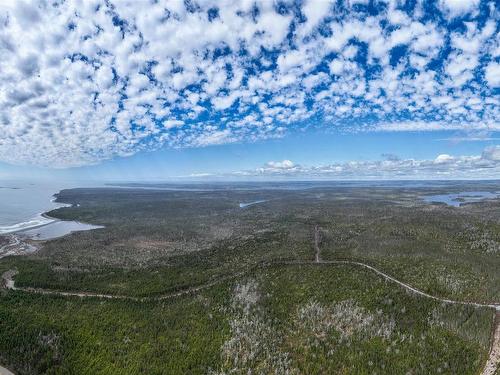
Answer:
(86, 80)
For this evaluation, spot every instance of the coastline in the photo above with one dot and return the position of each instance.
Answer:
(40, 220)
(25, 239)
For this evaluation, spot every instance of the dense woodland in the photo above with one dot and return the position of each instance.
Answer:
(275, 318)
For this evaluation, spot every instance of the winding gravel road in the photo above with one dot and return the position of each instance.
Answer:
(491, 365)
(4, 371)
(493, 361)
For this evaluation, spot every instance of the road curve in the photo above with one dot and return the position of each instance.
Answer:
(489, 369)
(8, 283)
(492, 363)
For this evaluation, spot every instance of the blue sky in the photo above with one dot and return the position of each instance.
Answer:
(142, 90)
(313, 147)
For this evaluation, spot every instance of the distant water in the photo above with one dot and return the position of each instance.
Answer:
(299, 185)
(57, 229)
(22, 203)
(243, 205)
(458, 199)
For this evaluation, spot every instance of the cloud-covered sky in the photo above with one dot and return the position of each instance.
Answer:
(444, 166)
(85, 81)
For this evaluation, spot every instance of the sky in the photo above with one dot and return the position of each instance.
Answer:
(168, 90)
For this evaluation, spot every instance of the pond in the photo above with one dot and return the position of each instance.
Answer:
(243, 205)
(457, 199)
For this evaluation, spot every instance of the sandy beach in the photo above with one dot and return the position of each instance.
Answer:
(28, 241)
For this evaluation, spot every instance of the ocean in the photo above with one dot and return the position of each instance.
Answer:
(22, 203)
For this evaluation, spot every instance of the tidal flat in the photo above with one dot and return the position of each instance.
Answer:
(56, 229)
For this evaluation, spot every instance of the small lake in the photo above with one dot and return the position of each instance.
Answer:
(56, 229)
(243, 205)
(457, 199)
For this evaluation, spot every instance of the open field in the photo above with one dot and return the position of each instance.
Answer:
(273, 318)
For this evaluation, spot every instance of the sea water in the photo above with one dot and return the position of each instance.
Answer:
(22, 204)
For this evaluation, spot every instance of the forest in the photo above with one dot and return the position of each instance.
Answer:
(207, 287)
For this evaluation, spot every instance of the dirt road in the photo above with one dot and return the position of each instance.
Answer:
(4, 371)
(316, 243)
(492, 363)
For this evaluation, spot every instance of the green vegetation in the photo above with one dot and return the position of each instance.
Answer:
(276, 318)
(445, 251)
(338, 319)
(158, 241)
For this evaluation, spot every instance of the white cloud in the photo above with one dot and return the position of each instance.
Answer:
(285, 164)
(214, 138)
(443, 159)
(336, 66)
(172, 123)
(414, 126)
(443, 166)
(314, 12)
(457, 7)
(492, 153)
(492, 74)
(224, 102)
(85, 81)
(290, 60)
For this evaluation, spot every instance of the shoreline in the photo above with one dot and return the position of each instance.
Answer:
(38, 217)
(26, 240)
(32, 226)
